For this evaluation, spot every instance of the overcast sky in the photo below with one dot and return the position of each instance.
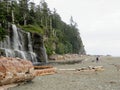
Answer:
(98, 22)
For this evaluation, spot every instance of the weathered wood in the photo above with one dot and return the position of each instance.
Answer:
(42, 67)
(14, 70)
(41, 72)
(89, 68)
(72, 69)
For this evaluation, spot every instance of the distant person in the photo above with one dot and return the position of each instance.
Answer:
(97, 59)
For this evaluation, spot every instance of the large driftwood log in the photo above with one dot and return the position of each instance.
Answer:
(42, 67)
(13, 70)
(44, 70)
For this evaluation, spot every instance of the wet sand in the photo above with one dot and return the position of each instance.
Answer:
(109, 79)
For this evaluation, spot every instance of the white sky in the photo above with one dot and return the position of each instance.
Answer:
(98, 22)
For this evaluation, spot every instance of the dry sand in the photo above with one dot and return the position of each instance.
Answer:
(109, 79)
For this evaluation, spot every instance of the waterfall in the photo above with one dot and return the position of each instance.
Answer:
(32, 54)
(33, 57)
(9, 53)
(43, 50)
(18, 44)
(5, 43)
(29, 43)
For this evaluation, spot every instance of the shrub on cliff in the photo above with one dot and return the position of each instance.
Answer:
(2, 33)
(33, 28)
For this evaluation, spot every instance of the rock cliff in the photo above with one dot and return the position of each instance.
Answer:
(22, 44)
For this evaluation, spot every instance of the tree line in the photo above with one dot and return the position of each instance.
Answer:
(59, 37)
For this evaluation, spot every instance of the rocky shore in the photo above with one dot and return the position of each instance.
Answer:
(108, 79)
(66, 57)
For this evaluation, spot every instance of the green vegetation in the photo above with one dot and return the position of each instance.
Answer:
(32, 28)
(2, 33)
(59, 37)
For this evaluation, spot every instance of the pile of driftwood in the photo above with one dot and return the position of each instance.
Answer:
(44, 70)
(14, 70)
(89, 68)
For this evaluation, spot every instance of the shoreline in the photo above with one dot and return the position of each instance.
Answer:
(108, 79)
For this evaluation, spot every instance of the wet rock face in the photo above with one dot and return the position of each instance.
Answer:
(37, 43)
(22, 44)
(13, 70)
(38, 47)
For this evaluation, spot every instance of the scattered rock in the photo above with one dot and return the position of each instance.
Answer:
(112, 82)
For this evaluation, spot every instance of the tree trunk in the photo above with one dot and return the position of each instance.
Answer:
(25, 21)
(13, 18)
(50, 23)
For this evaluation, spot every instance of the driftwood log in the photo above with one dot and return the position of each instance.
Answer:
(44, 70)
(89, 68)
(42, 67)
(14, 70)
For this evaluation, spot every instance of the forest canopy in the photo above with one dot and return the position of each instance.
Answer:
(59, 37)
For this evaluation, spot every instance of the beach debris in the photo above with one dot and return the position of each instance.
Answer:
(43, 67)
(112, 82)
(89, 68)
(71, 69)
(44, 70)
(14, 70)
(117, 66)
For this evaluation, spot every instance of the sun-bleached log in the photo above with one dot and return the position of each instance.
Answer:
(42, 67)
(44, 70)
(14, 70)
(89, 68)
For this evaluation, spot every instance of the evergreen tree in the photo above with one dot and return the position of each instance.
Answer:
(23, 5)
(59, 37)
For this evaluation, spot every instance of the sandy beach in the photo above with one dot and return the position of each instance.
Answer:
(109, 79)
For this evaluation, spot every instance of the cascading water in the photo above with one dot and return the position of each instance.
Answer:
(29, 42)
(44, 54)
(16, 41)
(32, 54)
(19, 44)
